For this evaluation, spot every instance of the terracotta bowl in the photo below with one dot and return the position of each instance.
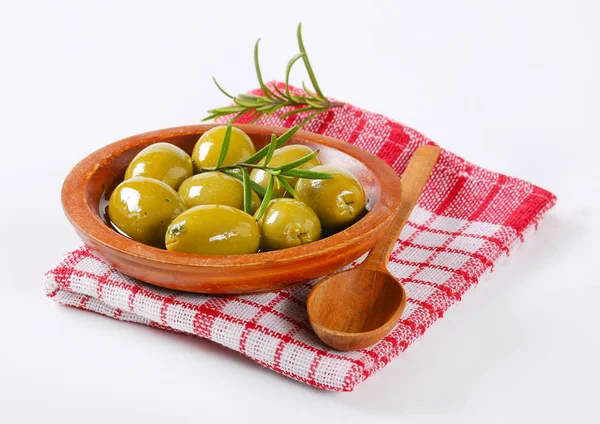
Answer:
(88, 186)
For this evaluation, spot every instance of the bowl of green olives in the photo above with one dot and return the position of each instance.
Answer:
(230, 209)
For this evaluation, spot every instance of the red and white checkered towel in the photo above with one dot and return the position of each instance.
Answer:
(466, 220)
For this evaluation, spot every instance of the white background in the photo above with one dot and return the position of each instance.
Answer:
(510, 85)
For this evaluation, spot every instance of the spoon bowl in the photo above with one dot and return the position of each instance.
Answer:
(354, 309)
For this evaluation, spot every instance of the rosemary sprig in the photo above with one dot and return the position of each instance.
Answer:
(298, 162)
(271, 150)
(224, 146)
(276, 174)
(287, 186)
(306, 173)
(247, 191)
(281, 140)
(273, 99)
(268, 196)
(257, 188)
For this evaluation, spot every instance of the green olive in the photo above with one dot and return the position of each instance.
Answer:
(143, 208)
(208, 148)
(213, 230)
(288, 223)
(338, 202)
(215, 188)
(161, 161)
(282, 156)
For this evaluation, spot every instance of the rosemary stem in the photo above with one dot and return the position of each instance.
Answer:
(253, 165)
(245, 165)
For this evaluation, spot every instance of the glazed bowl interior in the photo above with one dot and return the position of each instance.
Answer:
(89, 185)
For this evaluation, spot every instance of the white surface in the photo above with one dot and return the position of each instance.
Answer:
(513, 86)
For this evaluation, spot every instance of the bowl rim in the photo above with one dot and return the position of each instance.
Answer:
(79, 212)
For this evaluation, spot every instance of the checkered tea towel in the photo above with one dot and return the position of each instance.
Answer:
(466, 220)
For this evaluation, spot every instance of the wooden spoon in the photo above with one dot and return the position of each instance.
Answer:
(356, 308)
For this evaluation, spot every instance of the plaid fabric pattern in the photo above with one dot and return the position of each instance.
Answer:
(466, 220)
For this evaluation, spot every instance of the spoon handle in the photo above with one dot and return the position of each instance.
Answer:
(413, 180)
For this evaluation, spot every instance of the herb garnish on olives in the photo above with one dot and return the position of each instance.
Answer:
(225, 213)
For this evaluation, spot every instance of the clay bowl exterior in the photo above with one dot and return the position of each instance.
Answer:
(88, 186)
